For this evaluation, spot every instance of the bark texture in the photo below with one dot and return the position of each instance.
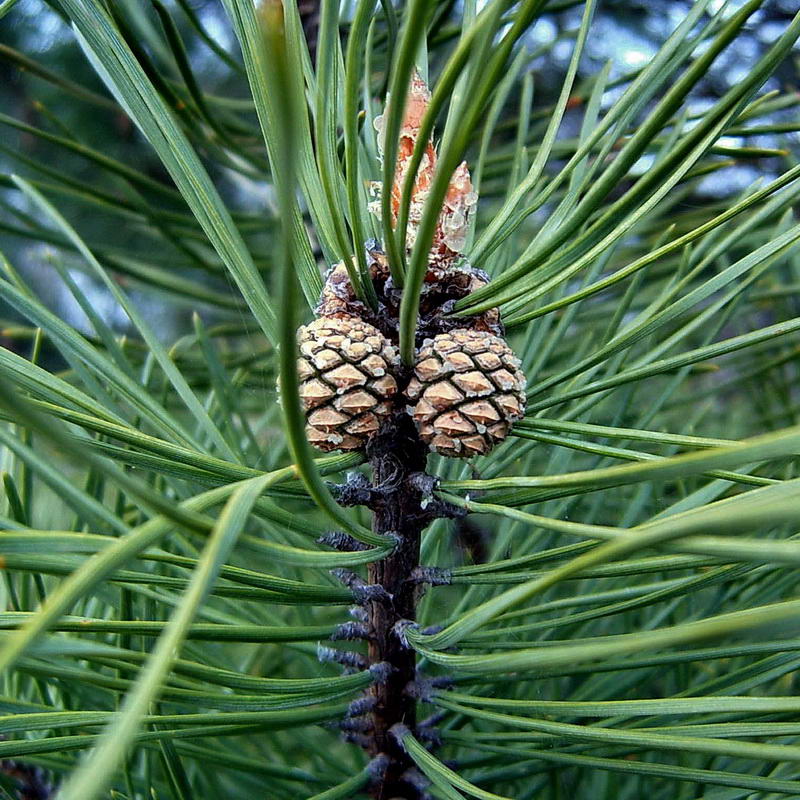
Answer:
(395, 454)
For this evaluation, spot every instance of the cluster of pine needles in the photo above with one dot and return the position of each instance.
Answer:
(620, 616)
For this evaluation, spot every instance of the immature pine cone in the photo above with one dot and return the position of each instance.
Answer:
(467, 389)
(345, 370)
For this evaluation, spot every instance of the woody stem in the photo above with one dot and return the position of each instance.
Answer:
(396, 454)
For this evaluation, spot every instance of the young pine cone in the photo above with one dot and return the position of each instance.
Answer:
(345, 369)
(467, 389)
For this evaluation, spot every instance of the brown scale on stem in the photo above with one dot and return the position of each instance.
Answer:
(395, 455)
(31, 782)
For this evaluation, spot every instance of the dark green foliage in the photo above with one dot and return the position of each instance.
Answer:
(617, 610)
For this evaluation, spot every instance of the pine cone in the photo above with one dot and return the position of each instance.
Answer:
(345, 369)
(467, 390)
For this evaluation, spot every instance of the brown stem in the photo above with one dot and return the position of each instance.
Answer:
(31, 782)
(396, 454)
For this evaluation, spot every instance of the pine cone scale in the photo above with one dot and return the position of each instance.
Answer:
(345, 371)
(468, 389)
